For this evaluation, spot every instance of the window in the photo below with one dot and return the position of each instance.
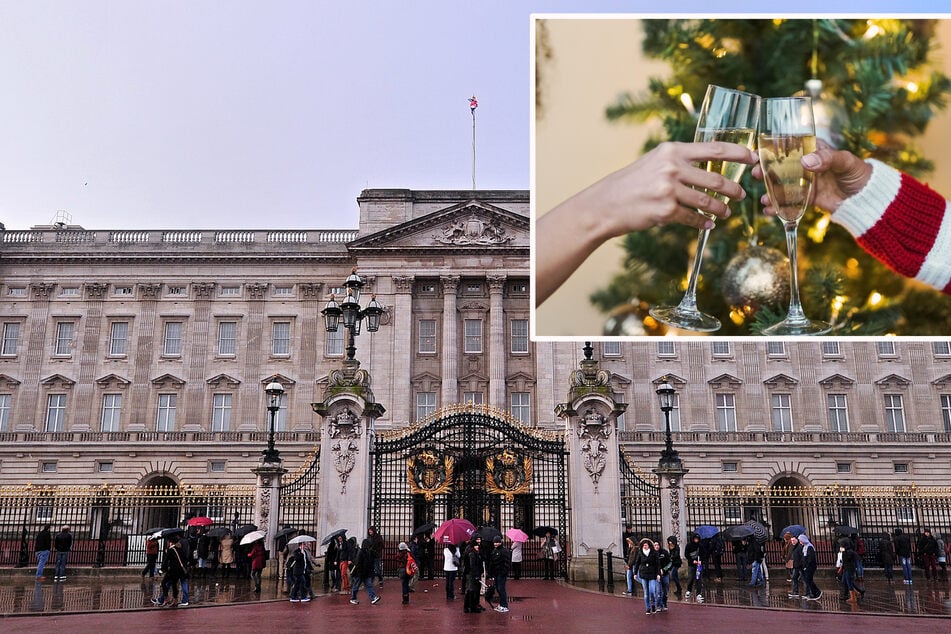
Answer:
(17, 291)
(425, 404)
(70, 291)
(726, 412)
(334, 344)
(901, 467)
(217, 466)
(838, 413)
(473, 336)
(776, 348)
(666, 348)
(427, 288)
(118, 337)
(173, 339)
(518, 288)
(611, 348)
(123, 290)
(221, 412)
(886, 349)
(519, 336)
(830, 349)
(473, 287)
(283, 291)
(675, 414)
(781, 412)
(230, 291)
(281, 338)
(64, 338)
(721, 348)
(843, 467)
(894, 413)
(730, 467)
(4, 412)
(55, 412)
(165, 419)
(48, 467)
(946, 411)
(280, 417)
(522, 407)
(472, 397)
(732, 514)
(175, 291)
(104, 467)
(227, 338)
(111, 409)
(427, 336)
(941, 348)
(11, 339)
(621, 422)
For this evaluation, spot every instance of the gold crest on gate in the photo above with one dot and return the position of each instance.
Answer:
(428, 474)
(508, 474)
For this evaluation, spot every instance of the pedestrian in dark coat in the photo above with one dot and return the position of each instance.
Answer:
(473, 570)
(675, 563)
(928, 548)
(63, 543)
(795, 554)
(886, 553)
(903, 552)
(42, 547)
(176, 572)
(363, 572)
(810, 564)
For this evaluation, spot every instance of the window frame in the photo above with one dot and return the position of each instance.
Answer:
(113, 409)
(726, 411)
(335, 340)
(166, 340)
(424, 338)
(519, 340)
(118, 346)
(167, 404)
(780, 408)
(472, 342)
(55, 412)
(221, 407)
(893, 413)
(226, 342)
(10, 339)
(522, 411)
(6, 406)
(427, 408)
(834, 410)
(62, 345)
(279, 338)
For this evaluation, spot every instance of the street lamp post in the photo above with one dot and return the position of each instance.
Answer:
(351, 314)
(669, 456)
(274, 391)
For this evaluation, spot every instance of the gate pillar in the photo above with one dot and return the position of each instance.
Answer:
(594, 492)
(348, 414)
(267, 500)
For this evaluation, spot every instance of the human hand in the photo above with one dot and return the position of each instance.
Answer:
(839, 175)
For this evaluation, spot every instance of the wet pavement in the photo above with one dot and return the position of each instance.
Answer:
(96, 602)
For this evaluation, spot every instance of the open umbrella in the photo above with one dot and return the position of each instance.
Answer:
(454, 531)
(329, 538)
(736, 533)
(251, 537)
(218, 531)
(302, 539)
(168, 532)
(794, 529)
(539, 531)
(284, 532)
(517, 535)
(152, 531)
(241, 531)
(425, 528)
(201, 521)
(846, 530)
(706, 531)
(760, 532)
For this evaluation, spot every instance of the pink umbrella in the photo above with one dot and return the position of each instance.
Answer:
(454, 531)
(516, 535)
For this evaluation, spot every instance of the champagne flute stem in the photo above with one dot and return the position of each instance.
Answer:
(689, 301)
(795, 307)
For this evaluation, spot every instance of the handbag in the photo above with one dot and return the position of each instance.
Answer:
(555, 550)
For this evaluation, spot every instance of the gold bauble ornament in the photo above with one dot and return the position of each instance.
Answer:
(829, 112)
(633, 320)
(755, 277)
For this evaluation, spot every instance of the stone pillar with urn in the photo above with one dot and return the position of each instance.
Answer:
(590, 416)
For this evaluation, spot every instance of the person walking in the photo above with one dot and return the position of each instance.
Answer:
(151, 557)
(631, 550)
(42, 545)
(663, 565)
(942, 556)
(886, 554)
(297, 564)
(550, 550)
(427, 553)
(363, 573)
(851, 590)
(63, 543)
(340, 576)
(499, 567)
(450, 565)
(903, 552)
(740, 555)
(407, 569)
(795, 554)
(258, 560)
(176, 571)
(697, 557)
(675, 563)
(647, 571)
(377, 540)
(754, 552)
(810, 564)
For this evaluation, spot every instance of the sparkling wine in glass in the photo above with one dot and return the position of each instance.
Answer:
(787, 133)
(726, 115)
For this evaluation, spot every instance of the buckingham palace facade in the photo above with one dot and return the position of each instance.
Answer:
(140, 356)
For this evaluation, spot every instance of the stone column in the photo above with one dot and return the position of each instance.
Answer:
(673, 502)
(348, 414)
(267, 500)
(402, 406)
(496, 342)
(450, 341)
(595, 492)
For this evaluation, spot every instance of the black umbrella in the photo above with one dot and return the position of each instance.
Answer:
(218, 531)
(487, 533)
(286, 531)
(539, 531)
(425, 528)
(760, 532)
(241, 531)
(736, 533)
(329, 538)
(846, 530)
(152, 531)
(168, 532)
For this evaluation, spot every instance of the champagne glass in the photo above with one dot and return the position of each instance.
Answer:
(787, 133)
(726, 115)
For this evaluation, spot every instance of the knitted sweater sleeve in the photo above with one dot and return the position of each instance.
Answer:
(902, 223)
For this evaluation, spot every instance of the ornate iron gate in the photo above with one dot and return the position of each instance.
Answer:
(300, 497)
(471, 462)
(640, 500)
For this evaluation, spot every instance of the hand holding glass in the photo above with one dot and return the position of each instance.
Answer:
(726, 115)
(787, 133)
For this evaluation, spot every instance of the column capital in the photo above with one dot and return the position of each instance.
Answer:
(403, 283)
(496, 282)
(449, 283)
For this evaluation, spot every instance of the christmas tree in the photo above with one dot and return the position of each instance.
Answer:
(878, 91)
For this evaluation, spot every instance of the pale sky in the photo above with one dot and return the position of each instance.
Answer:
(189, 114)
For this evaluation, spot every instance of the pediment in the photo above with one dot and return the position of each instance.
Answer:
(168, 380)
(57, 381)
(620, 380)
(725, 380)
(113, 379)
(280, 378)
(471, 225)
(520, 377)
(943, 382)
(893, 381)
(223, 379)
(837, 381)
(673, 379)
(8, 381)
(781, 381)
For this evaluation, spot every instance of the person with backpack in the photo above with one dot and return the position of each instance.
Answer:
(408, 568)
(500, 563)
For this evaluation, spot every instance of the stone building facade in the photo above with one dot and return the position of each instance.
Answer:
(140, 357)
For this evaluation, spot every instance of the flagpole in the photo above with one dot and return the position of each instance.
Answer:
(473, 104)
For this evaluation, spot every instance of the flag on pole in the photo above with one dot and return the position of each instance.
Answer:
(473, 103)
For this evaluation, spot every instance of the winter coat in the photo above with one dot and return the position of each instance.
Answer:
(902, 545)
(886, 552)
(363, 562)
(257, 556)
(174, 564)
(754, 552)
(151, 547)
(227, 550)
(43, 540)
(646, 566)
(809, 561)
(675, 559)
(63, 541)
(500, 561)
(517, 553)
(473, 569)
(663, 560)
(796, 555)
